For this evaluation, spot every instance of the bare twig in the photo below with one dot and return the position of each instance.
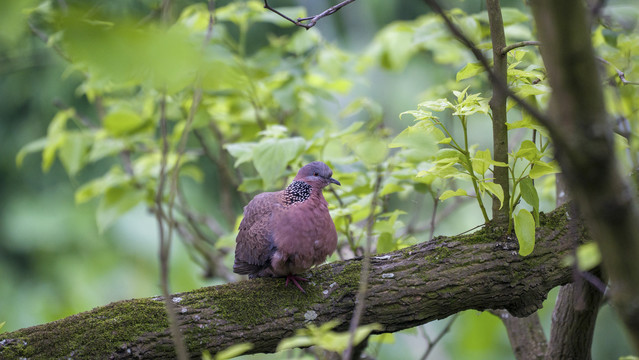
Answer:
(165, 241)
(366, 264)
(516, 45)
(620, 74)
(349, 221)
(430, 344)
(310, 21)
(433, 216)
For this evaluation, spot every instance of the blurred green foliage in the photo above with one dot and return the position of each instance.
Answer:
(86, 84)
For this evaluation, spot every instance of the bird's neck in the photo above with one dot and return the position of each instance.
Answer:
(297, 191)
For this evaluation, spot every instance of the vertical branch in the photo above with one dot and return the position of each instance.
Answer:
(588, 161)
(165, 240)
(526, 336)
(576, 308)
(366, 264)
(498, 109)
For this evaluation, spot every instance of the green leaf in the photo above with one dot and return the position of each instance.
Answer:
(525, 231)
(122, 122)
(2, 324)
(421, 136)
(385, 243)
(115, 203)
(419, 141)
(588, 256)
(271, 156)
(73, 152)
(242, 152)
(233, 351)
(105, 146)
(371, 150)
(390, 188)
(470, 70)
(193, 172)
(494, 189)
(528, 150)
(481, 162)
(436, 105)
(450, 193)
(541, 168)
(34, 146)
(529, 192)
(99, 186)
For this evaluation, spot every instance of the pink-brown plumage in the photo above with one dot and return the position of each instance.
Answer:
(285, 233)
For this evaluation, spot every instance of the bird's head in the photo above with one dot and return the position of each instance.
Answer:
(316, 173)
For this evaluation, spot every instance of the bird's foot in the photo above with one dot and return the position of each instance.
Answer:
(294, 279)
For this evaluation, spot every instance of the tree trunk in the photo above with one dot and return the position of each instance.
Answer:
(409, 287)
(583, 140)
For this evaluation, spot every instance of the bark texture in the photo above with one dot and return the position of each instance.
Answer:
(409, 287)
(585, 151)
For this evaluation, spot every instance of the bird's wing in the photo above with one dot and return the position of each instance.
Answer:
(255, 241)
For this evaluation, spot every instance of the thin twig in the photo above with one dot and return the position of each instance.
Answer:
(165, 241)
(620, 74)
(433, 216)
(516, 45)
(349, 221)
(430, 344)
(366, 264)
(312, 20)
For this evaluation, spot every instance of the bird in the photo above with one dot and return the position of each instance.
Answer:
(285, 233)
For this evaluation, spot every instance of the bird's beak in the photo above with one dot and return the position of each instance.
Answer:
(335, 181)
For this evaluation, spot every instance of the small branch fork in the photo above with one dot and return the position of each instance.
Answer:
(309, 22)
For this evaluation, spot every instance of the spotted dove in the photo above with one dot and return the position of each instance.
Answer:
(284, 233)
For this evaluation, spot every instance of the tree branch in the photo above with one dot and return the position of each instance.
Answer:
(312, 20)
(409, 287)
(587, 159)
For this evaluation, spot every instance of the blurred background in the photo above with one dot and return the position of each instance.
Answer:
(54, 262)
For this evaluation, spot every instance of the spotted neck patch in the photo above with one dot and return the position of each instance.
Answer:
(298, 191)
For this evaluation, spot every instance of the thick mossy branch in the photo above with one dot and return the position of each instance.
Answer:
(408, 287)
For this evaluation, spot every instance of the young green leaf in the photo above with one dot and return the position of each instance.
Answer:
(468, 71)
(528, 150)
(233, 351)
(271, 156)
(115, 203)
(450, 193)
(588, 256)
(525, 231)
(529, 192)
(494, 189)
(541, 168)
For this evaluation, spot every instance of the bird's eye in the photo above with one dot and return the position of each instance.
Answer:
(316, 174)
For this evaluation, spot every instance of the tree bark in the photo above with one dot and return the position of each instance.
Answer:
(409, 287)
(585, 151)
(501, 212)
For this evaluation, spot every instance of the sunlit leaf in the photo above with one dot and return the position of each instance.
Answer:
(242, 152)
(115, 203)
(34, 146)
(450, 193)
(542, 168)
(468, 71)
(73, 151)
(529, 192)
(271, 156)
(233, 351)
(525, 231)
(115, 177)
(494, 189)
(588, 256)
(122, 121)
(528, 150)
